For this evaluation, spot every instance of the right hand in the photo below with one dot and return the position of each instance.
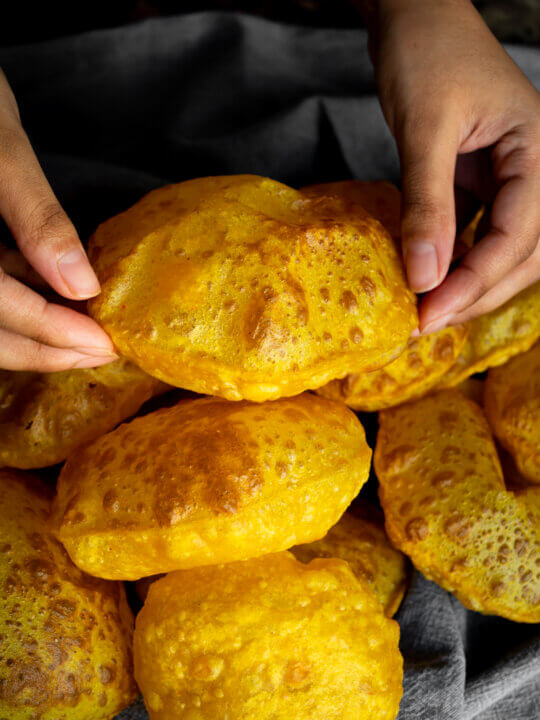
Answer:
(465, 119)
(35, 334)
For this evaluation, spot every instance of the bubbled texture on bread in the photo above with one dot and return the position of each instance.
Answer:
(512, 402)
(416, 371)
(66, 648)
(267, 639)
(446, 506)
(359, 538)
(497, 336)
(242, 287)
(209, 481)
(44, 417)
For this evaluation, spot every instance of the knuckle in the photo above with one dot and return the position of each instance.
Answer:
(536, 129)
(420, 204)
(478, 283)
(37, 355)
(531, 126)
(423, 216)
(518, 152)
(43, 321)
(522, 248)
(529, 158)
(42, 358)
(47, 223)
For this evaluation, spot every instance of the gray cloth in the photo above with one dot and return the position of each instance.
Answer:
(114, 113)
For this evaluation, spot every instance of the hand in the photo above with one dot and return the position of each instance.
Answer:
(462, 114)
(35, 334)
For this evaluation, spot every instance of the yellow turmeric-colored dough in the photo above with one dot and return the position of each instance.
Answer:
(242, 287)
(209, 481)
(66, 649)
(446, 505)
(267, 639)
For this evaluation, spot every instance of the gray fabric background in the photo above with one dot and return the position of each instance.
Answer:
(114, 113)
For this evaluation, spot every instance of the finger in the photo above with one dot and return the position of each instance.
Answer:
(24, 312)
(39, 225)
(14, 264)
(22, 353)
(517, 280)
(428, 152)
(512, 238)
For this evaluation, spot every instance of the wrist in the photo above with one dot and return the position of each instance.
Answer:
(377, 11)
(384, 16)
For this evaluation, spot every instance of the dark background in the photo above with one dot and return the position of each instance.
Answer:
(510, 20)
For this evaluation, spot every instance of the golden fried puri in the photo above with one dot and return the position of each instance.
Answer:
(66, 649)
(45, 417)
(497, 336)
(245, 288)
(425, 359)
(267, 639)
(209, 481)
(447, 507)
(512, 402)
(380, 199)
(416, 371)
(360, 539)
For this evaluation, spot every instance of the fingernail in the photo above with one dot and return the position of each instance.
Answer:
(96, 352)
(89, 362)
(422, 266)
(78, 274)
(438, 324)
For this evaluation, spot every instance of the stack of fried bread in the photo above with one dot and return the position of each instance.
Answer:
(269, 586)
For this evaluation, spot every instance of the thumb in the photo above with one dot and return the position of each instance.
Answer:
(428, 219)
